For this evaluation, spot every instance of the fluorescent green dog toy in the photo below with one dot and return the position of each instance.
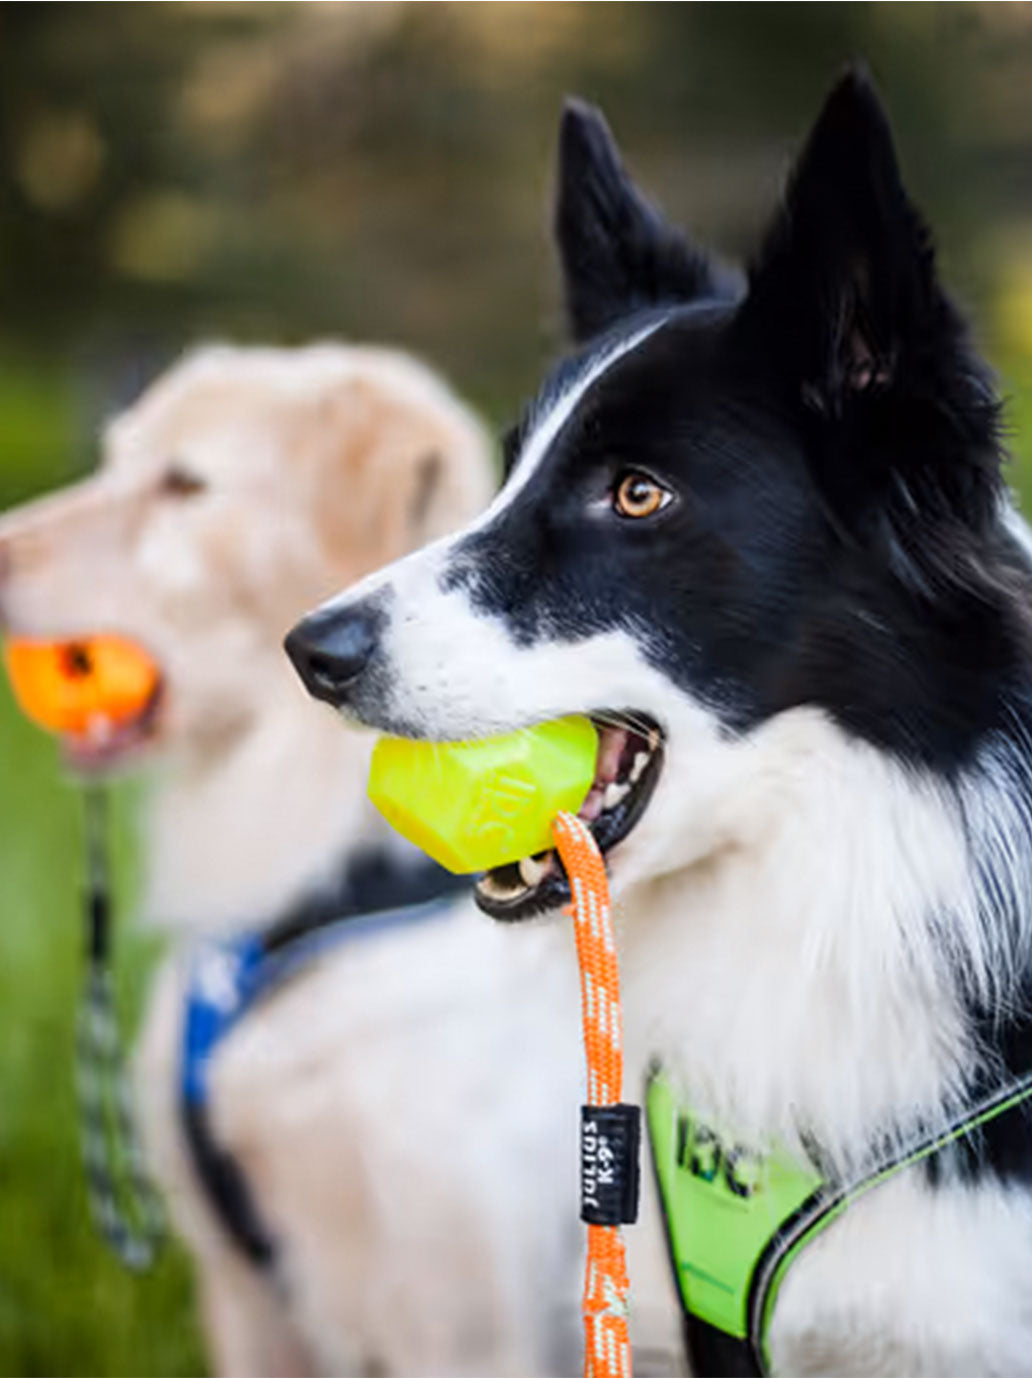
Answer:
(476, 805)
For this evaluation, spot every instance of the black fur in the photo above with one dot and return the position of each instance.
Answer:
(834, 446)
(830, 441)
(835, 535)
(904, 425)
(627, 257)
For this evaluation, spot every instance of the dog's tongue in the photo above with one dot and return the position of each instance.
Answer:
(612, 741)
(611, 746)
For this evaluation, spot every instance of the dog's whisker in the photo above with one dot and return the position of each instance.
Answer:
(624, 720)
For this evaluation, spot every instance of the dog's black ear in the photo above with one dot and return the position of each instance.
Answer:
(847, 272)
(845, 302)
(618, 253)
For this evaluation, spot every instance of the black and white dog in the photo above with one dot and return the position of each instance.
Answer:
(758, 530)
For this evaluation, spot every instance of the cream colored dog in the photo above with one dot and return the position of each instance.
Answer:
(403, 1111)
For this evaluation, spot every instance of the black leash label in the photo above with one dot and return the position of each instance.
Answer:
(610, 1142)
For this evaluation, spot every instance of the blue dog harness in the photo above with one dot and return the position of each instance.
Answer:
(230, 976)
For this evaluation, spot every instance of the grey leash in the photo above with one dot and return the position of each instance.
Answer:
(124, 1204)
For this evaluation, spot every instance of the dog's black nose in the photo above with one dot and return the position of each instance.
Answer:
(330, 649)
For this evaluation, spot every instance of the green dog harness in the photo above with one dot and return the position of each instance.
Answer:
(736, 1221)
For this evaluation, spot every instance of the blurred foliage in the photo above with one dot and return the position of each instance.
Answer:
(278, 171)
(381, 171)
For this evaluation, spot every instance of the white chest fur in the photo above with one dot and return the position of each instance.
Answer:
(802, 976)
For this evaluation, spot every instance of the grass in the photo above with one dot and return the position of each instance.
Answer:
(66, 1305)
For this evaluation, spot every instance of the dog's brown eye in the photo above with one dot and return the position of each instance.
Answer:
(637, 495)
(178, 482)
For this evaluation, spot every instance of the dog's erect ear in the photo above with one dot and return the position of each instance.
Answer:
(846, 278)
(845, 303)
(618, 253)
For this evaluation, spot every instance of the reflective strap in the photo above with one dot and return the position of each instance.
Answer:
(826, 1206)
(733, 1236)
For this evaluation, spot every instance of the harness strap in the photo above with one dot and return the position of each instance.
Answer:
(799, 1208)
(828, 1203)
(229, 977)
(372, 882)
(226, 1187)
(220, 988)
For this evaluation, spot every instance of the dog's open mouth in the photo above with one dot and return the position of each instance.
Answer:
(100, 693)
(106, 744)
(628, 764)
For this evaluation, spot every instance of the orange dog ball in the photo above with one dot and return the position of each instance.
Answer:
(63, 686)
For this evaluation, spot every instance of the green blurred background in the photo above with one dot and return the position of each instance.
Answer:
(274, 172)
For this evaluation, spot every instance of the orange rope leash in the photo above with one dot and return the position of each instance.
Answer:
(607, 1349)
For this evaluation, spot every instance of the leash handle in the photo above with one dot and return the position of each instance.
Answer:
(610, 1133)
(125, 1206)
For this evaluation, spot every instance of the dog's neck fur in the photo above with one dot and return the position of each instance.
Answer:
(236, 836)
(817, 943)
